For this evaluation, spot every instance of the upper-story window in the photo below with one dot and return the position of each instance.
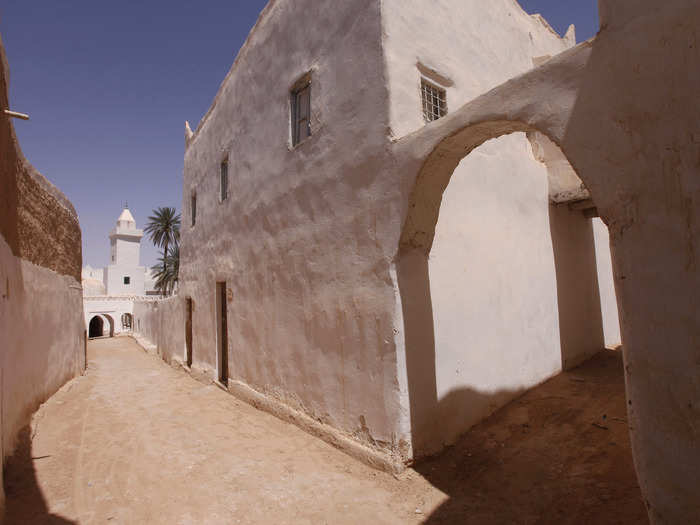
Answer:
(301, 110)
(127, 280)
(223, 180)
(193, 209)
(434, 100)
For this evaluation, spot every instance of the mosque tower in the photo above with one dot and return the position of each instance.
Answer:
(124, 275)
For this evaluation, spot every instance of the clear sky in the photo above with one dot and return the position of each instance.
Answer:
(109, 85)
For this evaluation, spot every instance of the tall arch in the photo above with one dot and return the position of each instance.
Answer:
(572, 329)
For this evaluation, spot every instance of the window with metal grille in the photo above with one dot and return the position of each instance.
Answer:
(301, 113)
(127, 280)
(193, 209)
(434, 101)
(223, 180)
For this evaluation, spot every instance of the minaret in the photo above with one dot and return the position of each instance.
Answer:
(124, 275)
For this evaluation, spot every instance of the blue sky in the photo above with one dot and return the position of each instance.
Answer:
(109, 85)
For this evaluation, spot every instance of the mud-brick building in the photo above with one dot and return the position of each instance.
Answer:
(42, 335)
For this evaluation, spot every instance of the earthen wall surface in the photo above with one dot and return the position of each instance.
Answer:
(42, 342)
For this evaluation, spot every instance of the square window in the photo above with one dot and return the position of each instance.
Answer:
(223, 180)
(434, 101)
(127, 280)
(301, 113)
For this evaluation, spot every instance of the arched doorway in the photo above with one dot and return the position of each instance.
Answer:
(500, 292)
(642, 174)
(110, 320)
(96, 327)
(498, 278)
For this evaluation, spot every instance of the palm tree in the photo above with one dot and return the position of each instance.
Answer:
(163, 229)
(167, 271)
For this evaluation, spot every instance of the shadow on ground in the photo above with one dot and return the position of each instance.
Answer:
(24, 501)
(559, 454)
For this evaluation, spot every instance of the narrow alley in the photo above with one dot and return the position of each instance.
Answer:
(136, 441)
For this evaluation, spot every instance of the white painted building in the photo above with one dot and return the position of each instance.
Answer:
(314, 274)
(109, 293)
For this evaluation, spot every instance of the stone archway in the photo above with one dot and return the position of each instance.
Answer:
(96, 327)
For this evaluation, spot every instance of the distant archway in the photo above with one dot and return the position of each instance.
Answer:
(127, 321)
(110, 320)
(96, 327)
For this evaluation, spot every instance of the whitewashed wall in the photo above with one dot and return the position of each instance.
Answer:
(302, 243)
(107, 306)
(308, 240)
(472, 45)
(608, 300)
(493, 285)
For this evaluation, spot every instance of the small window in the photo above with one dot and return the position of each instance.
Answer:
(434, 101)
(223, 180)
(193, 209)
(301, 113)
(127, 280)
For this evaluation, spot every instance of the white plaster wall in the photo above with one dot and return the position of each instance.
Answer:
(41, 338)
(307, 241)
(107, 306)
(127, 252)
(608, 300)
(493, 284)
(92, 273)
(473, 44)
(114, 280)
(302, 243)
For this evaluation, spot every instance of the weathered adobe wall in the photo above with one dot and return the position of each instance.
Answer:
(160, 325)
(37, 221)
(41, 320)
(302, 241)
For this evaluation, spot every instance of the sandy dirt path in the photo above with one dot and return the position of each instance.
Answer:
(135, 441)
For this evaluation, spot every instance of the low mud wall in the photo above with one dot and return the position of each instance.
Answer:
(159, 326)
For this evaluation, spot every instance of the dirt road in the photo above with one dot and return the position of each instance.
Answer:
(135, 441)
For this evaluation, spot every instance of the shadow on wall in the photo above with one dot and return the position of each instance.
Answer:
(25, 502)
(580, 328)
(427, 411)
(542, 459)
(578, 293)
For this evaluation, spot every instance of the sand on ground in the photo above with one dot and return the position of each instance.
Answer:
(136, 441)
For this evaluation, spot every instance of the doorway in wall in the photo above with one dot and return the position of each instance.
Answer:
(96, 328)
(188, 331)
(222, 332)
